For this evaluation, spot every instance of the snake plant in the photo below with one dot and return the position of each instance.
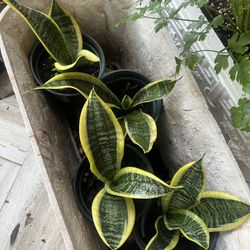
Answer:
(139, 126)
(59, 34)
(113, 208)
(194, 212)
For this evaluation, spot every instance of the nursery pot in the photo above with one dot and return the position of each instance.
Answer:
(85, 185)
(42, 66)
(145, 230)
(127, 82)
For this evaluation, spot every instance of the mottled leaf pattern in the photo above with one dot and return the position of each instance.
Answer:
(191, 226)
(135, 183)
(164, 238)
(141, 129)
(46, 30)
(192, 178)
(69, 28)
(113, 217)
(221, 211)
(101, 137)
(153, 91)
(83, 83)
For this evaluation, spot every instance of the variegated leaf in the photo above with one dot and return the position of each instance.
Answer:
(126, 102)
(69, 28)
(164, 239)
(46, 30)
(135, 183)
(122, 123)
(113, 217)
(141, 129)
(83, 83)
(83, 57)
(191, 226)
(192, 178)
(153, 91)
(221, 211)
(101, 137)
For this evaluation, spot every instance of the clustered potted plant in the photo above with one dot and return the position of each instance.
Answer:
(104, 122)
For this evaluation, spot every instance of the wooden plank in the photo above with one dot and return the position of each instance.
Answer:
(8, 174)
(40, 229)
(27, 183)
(9, 110)
(5, 86)
(11, 101)
(14, 143)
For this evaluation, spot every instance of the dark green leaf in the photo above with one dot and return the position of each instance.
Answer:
(46, 30)
(235, 46)
(241, 115)
(164, 238)
(135, 183)
(191, 226)
(68, 27)
(101, 137)
(244, 74)
(113, 217)
(192, 60)
(178, 62)
(217, 21)
(153, 91)
(221, 211)
(83, 83)
(126, 102)
(221, 62)
(141, 129)
(191, 178)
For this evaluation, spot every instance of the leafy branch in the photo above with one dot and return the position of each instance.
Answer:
(238, 45)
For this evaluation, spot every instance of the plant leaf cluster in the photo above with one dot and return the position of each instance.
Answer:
(194, 212)
(139, 126)
(113, 208)
(59, 34)
(237, 45)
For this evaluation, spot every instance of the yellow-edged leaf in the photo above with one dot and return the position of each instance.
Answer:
(113, 217)
(164, 239)
(136, 183)
(83, 57)
(83, 83)
(221, 211)
(101, 137)
(192, 178)
(191, 226)
(141, 129)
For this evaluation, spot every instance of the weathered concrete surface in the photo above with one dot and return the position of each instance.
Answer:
(187, 128)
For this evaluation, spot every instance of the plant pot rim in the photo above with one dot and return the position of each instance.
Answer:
(39, 47)
(156, 105)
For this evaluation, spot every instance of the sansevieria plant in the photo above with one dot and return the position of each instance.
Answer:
(59, 33)
(113, 208)
(194, 212)
(139, 126)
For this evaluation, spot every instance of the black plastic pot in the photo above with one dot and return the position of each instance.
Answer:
(41, 65)
(127, 82)
(145, 230)
(85, 185)
(2, 67)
